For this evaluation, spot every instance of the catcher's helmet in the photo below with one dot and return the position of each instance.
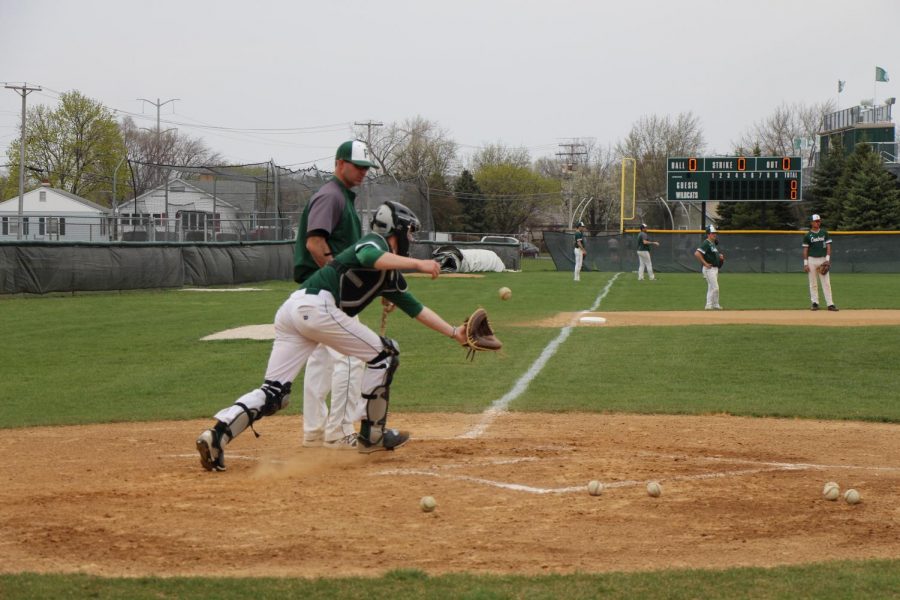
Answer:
(394, 218)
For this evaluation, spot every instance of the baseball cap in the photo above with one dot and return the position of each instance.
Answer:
(579, 224)
(643, 226)
(710, 229)
(356, 152)
(815, 218)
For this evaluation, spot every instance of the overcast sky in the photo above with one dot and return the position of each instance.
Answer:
(518, 72)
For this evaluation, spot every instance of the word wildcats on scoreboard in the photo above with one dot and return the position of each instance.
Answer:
(733, 179)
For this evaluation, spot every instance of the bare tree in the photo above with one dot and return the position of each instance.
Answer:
(147, 148)
(597, 182)
(776, 134)
(651, 140)
(415, 150)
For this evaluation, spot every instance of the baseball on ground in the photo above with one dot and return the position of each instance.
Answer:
(427, 504)
(505, 293)
(654, 490)
(851, 496)
(831, 491)
(595, 488)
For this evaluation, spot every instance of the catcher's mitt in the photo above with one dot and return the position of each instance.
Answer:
(479, 334)
(824, 268)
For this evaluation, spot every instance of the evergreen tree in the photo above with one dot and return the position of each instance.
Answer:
(757, 215)
(870, 196)
(469, 196)
(725, 213)
(825, 182)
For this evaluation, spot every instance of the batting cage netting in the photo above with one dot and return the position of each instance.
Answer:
(251, 202)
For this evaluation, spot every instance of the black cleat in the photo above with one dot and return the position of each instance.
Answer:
(815, 306)
(832, 308)
(390, 440)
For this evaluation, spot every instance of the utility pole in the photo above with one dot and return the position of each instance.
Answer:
(571, 154)
(23, 90)
(159, 133)
(369, 125)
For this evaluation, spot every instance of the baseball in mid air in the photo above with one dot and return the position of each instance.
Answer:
(427, 504)
(654, 490)
(505, 293)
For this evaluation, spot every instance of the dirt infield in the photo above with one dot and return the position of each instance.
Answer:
(846, 318)
(132, 500)
(822, 318)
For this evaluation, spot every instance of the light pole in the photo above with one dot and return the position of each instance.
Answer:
(115, 204)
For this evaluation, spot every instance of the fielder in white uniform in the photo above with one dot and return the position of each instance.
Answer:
(709, 256)
(321, 312)
(643, 252)
(580, 250)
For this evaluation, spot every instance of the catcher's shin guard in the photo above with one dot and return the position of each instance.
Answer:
(253, 406)
(376, 389)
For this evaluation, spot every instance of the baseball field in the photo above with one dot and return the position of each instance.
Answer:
(740, 415)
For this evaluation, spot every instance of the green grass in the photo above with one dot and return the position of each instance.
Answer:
(88, 358)
(105, 357)
(872, 579)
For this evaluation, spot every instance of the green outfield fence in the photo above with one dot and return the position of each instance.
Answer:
(745, 251)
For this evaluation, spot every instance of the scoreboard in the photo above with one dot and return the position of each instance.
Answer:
(733, 179)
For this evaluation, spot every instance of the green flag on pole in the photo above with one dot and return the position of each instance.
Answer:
(880, 74)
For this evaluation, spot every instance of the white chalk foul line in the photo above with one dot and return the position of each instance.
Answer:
(580, 488)
(499, 406)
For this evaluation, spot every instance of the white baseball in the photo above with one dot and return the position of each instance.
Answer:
(654, 490)
(427, 504)
(831, 491)
(595, 488)
(505, 293)
(851, 496)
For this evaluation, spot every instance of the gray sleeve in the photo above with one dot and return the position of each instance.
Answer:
(325, 209)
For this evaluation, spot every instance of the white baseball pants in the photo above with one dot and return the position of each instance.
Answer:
(814, 263)
(302, 323)
(711, 274)
(644, 264)
(329, 370)
(579, 260)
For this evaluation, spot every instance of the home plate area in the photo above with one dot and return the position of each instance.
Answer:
(511, 499)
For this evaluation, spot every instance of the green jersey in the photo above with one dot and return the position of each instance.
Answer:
(642, 242)
(354, 282)
(579, 239)
(710, 253)
(331, 212)
(816, 242)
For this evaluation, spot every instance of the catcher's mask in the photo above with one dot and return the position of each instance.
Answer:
(393, 218)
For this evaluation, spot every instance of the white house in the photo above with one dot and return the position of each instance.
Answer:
(179, 211)
(55, 215)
